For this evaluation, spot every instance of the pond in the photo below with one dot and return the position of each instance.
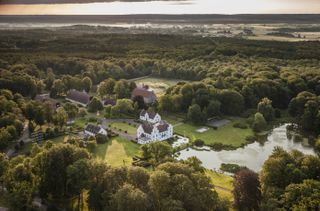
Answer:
(252, 155)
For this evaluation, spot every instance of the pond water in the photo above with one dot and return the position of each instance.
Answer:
(252, 155)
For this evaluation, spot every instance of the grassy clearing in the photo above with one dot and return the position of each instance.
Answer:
(227, 135)
(223, 184)
(172, 119)
(117, 151)
(125, 127)
(159, 85)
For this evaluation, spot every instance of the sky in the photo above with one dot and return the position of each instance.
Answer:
(167, 7)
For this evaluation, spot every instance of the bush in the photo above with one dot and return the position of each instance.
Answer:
(198, 142)
(101, 139)
(240, 125)
(82, 112)
(277, 113)
(231, 168)
(91, 145)
(92, 119)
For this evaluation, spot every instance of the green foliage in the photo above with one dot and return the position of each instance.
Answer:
(281, 171)
(95, 105)
(195, 114)
(231, 168)
(259, 123)
(266, 109)
(123, 108)
(247, 193)
(157, 152)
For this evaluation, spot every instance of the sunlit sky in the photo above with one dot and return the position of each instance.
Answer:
(174, 7)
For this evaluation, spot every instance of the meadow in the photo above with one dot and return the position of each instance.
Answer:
(224, 135)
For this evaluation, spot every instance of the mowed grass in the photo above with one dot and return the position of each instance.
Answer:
(223, 184)
(227, 135)
(132, 130)
(117, 151)
(159, 85)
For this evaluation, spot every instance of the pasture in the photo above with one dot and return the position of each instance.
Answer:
(224, 135)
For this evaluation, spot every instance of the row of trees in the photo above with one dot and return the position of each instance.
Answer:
(65, 171)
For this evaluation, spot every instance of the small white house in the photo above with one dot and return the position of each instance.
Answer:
(150, 116)
(93, 130)
(148, 133)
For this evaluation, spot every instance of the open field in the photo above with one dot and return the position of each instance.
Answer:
(158, 85)
(131, 130)
(117, 151)
(224, 135)
(223, 184)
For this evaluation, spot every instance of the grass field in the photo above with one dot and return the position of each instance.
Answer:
(227, 135)
(159, 85)
(223, 184)
(117, 151)
(125, 127)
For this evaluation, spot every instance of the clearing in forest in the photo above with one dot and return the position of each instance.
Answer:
(158, 85)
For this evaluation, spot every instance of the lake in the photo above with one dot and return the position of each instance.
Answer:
(252, 155)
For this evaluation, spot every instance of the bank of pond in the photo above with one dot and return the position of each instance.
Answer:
(251, 155)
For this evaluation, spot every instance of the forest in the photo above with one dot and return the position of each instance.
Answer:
(259, 81)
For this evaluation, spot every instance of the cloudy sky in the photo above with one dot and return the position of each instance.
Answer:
(163, 7)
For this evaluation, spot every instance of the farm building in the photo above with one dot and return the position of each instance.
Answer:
(77, 97)
(150, 116)
(93, 130)
(148, 96)
(153, 129)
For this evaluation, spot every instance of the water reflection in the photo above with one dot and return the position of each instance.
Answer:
(252, 155)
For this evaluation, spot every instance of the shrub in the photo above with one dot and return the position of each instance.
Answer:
(198, 142)
(92, 119)
(240, 125)
(277, 113)
(231, 168)
(101, 139)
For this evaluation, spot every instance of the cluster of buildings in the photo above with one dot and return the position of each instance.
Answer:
(153, 128)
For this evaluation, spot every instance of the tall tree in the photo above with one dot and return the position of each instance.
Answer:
(247, 193)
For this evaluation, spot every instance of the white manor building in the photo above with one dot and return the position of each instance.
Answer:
(153, 129)
(93, 130)
(150, 116)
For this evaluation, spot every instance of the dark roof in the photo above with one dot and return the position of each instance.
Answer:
(163, 126)
(151, 114)
(109, 102)
(81, 97)
(139, 91)
(93, 128)
(147, 128)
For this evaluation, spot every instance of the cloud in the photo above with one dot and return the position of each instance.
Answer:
(72, 1)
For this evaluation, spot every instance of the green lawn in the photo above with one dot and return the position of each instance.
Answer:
(117, 151)
(132, 130)
(227, 134)
(223, 184)
(171, 119)
(80, 122)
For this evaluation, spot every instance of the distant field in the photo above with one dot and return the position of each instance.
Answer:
(158, 85)
(225, 135)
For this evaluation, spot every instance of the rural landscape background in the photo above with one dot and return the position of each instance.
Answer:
(159, 105)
